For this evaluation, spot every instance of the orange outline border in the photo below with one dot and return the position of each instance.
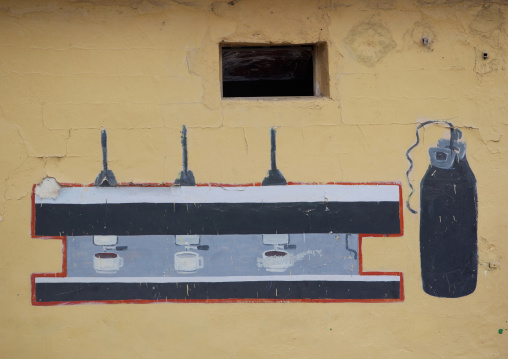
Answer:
(63, 273)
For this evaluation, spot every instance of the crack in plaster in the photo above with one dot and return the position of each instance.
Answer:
(245, 138)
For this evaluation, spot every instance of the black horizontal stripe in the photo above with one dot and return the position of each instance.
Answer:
(345, 290)
(216, 218)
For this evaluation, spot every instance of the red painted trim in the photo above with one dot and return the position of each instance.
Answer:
(32, 219)
(346, 183)
(250, 300)
(402, 297)
(360, 255)
(401, 211)
(374, 273)
(63, 273)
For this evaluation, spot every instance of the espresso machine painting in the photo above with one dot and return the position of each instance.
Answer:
(448, 218)
(190, 242)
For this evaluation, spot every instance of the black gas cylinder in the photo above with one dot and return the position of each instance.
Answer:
(448, 222)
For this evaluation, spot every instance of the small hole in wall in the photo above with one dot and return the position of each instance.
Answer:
(273, 71)
(425, 41)
(485, 55)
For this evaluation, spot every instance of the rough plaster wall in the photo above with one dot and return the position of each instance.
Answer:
(141, 69)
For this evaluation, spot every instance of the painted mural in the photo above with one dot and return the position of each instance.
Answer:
(448, 218)
(188, 242)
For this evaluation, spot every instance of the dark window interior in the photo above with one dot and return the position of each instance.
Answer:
(267, 71)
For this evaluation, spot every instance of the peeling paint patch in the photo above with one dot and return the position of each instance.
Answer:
(48, 188)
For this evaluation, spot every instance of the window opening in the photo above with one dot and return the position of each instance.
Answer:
(270, 71)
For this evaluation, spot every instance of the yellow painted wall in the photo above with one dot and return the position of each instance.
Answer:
(141, 69)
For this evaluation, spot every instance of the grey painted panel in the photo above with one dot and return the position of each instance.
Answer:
(153, 256)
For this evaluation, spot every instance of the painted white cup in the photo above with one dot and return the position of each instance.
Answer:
(188, 262)
(276, 260)
(107, 262)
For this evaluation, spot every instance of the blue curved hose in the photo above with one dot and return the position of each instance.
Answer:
(423, 124)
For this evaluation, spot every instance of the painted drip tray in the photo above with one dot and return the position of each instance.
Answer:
(326, 288)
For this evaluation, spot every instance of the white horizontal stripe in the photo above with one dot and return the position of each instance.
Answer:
(253, 194)
(284, 278)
